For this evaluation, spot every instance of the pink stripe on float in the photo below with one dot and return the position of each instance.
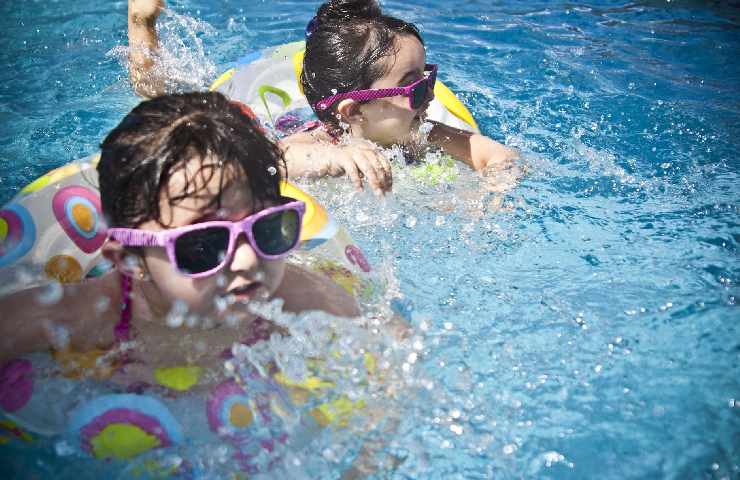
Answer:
(16, 384)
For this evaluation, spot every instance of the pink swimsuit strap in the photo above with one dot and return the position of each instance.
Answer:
(317, 124)
(122, 330)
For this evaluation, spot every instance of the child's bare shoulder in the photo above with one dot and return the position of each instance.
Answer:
(305, 290)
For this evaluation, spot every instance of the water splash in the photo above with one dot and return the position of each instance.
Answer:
(181, 61)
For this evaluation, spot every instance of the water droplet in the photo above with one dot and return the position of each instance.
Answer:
(50, 294)
(63, 449)
(59, 335)
(176, 316)
(102, 304)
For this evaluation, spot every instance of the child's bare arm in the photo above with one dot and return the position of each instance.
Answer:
(476, 150)
(143, 42)
(55, 316)
(26, 322)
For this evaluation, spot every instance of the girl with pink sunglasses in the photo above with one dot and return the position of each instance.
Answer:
(365, 74)
(190, 189)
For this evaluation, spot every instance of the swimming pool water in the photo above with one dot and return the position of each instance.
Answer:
(589, 328)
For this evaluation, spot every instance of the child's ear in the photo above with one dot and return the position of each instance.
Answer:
(350, 111)
(124, 261)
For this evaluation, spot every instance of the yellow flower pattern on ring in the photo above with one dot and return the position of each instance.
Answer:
(122, 442)
(178, 378)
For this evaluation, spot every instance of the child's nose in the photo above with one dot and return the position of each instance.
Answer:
(245, 259)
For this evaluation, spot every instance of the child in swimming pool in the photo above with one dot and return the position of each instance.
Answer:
(190, 188)
(365, 74)
(352, 50)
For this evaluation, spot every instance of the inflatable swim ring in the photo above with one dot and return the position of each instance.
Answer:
(268, 81)
(52, 232)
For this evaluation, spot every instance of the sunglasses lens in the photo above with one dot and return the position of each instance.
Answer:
(201, 250)
(419, 95)
(277, 233)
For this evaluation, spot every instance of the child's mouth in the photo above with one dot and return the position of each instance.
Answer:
(245, 293)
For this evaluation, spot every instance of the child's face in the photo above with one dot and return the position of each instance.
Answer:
(389, 121)
(245, 275)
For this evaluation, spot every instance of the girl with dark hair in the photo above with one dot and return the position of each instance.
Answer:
(365, 74)
(190, 187)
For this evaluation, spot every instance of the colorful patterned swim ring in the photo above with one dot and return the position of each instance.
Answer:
(124, 426)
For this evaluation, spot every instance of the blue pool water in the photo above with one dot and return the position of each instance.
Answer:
(590, 327)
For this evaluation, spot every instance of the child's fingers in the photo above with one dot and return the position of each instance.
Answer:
(367, 162)
(381, 168)
(385, 169)
(374, 165)
(354, 174)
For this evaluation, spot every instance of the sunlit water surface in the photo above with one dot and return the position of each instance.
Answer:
(588, 327)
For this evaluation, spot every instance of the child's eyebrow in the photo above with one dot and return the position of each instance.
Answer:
(411, 76)
(210, 211)
(207, 216)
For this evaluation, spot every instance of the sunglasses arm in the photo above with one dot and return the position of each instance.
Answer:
(360, 96)
(137, 238)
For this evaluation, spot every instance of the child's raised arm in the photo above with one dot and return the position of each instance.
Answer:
(143, 42)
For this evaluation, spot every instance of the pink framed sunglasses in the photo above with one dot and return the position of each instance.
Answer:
(417, 92)
(202, 249)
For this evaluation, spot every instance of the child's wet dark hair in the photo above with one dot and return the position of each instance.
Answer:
(345, 45)
(163, 135)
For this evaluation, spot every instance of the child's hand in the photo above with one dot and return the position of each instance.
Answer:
(145, 10)
(501, 174)
(361, 160)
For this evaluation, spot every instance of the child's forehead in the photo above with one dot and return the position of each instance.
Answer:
(407, 56)
(200, 187)
(204, 175)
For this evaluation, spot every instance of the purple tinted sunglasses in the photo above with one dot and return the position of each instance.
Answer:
(417, 92)
(202, 249)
